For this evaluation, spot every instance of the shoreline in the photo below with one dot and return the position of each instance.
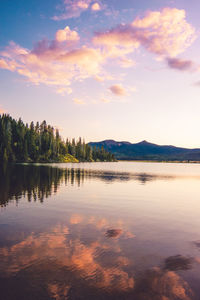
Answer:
(162, 161)
(91, 162)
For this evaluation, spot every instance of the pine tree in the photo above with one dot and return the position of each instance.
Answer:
(23, 143)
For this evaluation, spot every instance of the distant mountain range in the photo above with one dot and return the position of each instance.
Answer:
(148, 151)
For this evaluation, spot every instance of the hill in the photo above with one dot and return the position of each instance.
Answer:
(147, 151)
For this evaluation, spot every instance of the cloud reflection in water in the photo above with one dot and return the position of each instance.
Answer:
(71, 267)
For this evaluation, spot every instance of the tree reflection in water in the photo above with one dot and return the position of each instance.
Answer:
(85, 256)
(38, 182)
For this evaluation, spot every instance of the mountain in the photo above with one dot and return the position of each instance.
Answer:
(147, 151)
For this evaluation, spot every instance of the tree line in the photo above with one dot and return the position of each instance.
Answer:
(41, 142)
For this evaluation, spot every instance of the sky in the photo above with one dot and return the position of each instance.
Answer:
(124, 70)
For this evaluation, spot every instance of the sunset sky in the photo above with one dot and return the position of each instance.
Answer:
(124, 70)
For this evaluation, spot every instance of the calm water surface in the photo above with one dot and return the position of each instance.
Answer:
(100, 231)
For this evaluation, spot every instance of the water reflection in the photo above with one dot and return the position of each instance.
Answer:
(113, 233)
(158, 284)
(63, 264)
(104, 235)
(40, 182)
(65, 260)
(197, 244)
(18, 181)
(178, 262)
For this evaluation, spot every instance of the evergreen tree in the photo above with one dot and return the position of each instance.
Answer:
(41, 143)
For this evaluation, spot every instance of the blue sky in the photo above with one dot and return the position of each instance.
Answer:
(127, 70)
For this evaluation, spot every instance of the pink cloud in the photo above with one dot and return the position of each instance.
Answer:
(119, 36)
(118, 90)
(88, 60)
(64, 59)
(73, 9)
(6, 65)
(164, 33)
(65, 39)
(56, 62)
(182, 65)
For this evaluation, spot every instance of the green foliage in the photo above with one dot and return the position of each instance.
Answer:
(69, 158)
(42, 143)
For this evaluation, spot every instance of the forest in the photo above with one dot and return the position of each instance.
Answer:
(40, 142)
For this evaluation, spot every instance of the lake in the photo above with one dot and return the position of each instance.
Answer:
(126, 230)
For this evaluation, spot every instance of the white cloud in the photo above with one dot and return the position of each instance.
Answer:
(67, 35)
(95, 6)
